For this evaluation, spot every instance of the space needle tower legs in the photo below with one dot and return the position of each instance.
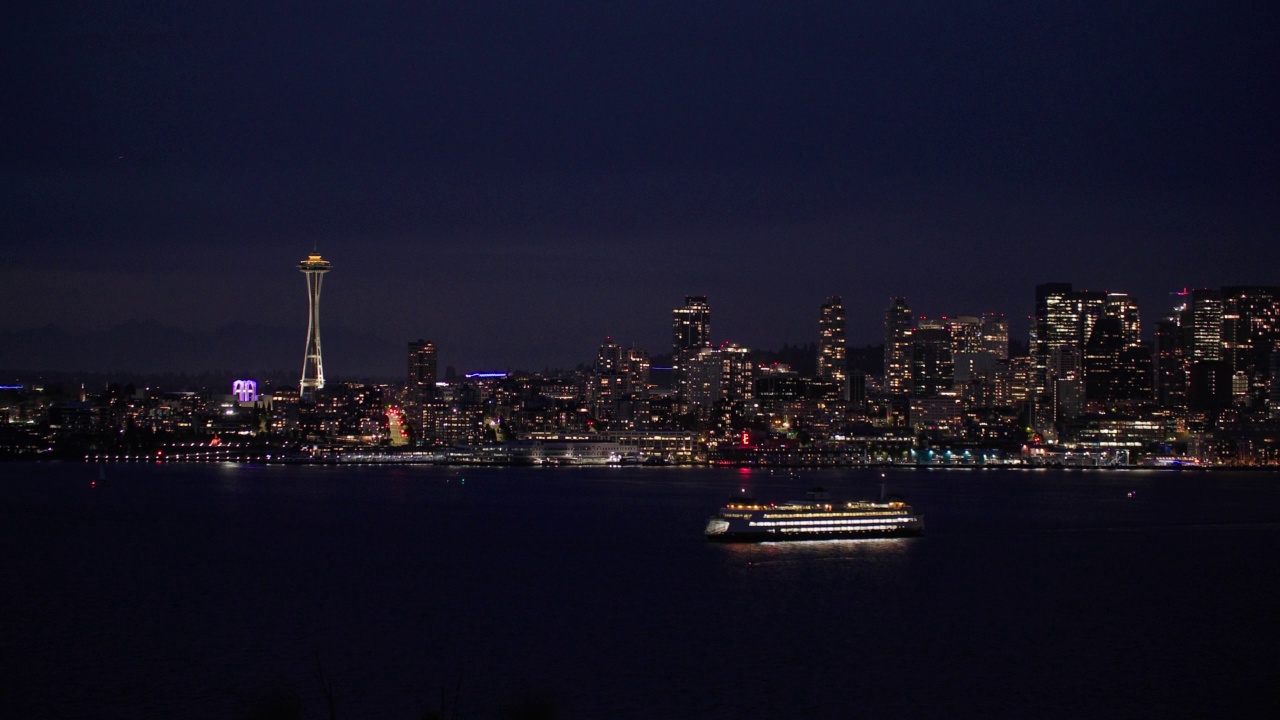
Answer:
(314, 267)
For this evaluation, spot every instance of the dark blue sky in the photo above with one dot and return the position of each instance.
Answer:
(516, 183)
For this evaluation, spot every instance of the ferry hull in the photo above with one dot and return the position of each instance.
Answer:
(759, 536)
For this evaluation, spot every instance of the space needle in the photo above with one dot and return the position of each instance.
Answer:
(314, 267)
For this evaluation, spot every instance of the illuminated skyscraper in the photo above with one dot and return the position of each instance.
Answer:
(1120, 305)
(1205, 311)
(720, 380)
(832, 358)
(1171, 363)
(1250, 332)
(995, 335)
(1064, 322)
(691, 332)
(898, 329)
(314, 267)
(932, 364)
(637, 370)
(422, 365)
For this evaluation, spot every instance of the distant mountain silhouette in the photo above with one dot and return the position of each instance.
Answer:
(148, 347)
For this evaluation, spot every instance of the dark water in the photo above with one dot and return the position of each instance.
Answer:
(204, 591)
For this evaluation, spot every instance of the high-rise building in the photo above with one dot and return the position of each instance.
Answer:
(637, 371)
(720, 374)
(1125, 308)
(1064, 321)
(610, 377)
(832, 357)
(1205, 324)
(966, 333)
(1102, 359)
(1044, 336)
(995, 335)
(422, 365)
(1251, 332)
(898, 329)
(691, 333)
(932, 364)
(314, 267)
(1171, 363)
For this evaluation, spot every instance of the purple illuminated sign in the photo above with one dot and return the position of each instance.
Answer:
(245, 390)
(486, 375)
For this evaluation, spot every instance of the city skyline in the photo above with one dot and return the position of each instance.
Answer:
(516, 186)
(384, 360)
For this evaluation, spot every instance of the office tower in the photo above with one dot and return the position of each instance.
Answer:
(832, 358)
(977, 378)
(966, 333)
(1102, 359)
(1171, 364)
(1250, 332)
(1125, 308)
(1135, 378)
(1209, 386)
(1205, 323)
(898, 329)
(1064, 319)
(932, 368)
(995, 335)
(1048, 297)
(422, 365)
(314, 268)
(691, 334)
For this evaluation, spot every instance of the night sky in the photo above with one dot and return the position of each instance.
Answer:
(517, 182)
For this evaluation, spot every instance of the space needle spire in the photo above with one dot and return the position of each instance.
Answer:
(314, 267)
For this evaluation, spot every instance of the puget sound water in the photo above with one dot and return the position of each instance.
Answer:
(238, 591)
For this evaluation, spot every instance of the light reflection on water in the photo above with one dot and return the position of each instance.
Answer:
(817, 550)
(185, 591)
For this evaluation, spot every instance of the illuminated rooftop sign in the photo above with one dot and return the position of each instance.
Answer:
(486, 375)
(245, 390)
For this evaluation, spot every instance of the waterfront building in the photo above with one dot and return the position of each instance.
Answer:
(942, 412)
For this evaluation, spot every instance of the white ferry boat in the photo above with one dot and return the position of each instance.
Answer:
(813, 519)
